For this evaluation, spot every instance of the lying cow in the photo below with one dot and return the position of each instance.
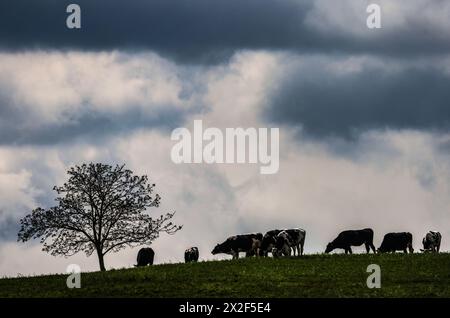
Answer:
(248, 243)
(268, 242)
(432, 242)
(145, 257)
(397, 242)
(287, 239)
(191, 255)
(347, 239)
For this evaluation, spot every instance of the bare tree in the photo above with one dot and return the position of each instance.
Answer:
(100, 208)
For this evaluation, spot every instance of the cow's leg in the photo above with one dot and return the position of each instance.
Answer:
(373, 248)
(350, 250)
(287, 251)
(367, 248)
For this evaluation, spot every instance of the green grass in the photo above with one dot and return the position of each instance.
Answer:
(417, 275)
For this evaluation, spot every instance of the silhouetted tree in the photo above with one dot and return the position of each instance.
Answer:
(100, 208)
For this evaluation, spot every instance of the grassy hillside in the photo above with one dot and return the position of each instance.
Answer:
(417, 275)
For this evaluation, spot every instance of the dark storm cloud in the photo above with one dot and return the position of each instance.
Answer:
(201, 30)
(93, 127)
(330, 105)
(182, 29)
(9, 228)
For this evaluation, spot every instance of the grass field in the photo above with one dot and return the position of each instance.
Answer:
(417, 275)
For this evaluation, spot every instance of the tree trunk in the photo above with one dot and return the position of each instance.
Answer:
(101, 260)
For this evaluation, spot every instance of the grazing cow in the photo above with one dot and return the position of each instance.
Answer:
(397, 242)
(283, 243)
(268, 242)
(297, 240)
(145, 256)
(248, 243)
(347, 239)
(191, 254)
(287, 239)
(432, 242)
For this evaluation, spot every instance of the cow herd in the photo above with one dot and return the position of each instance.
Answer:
(289, 242)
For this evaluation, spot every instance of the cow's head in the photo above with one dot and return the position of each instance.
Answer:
(275, 252)
(280, 241)
(266, 243)
(216, 250)
(329, 248)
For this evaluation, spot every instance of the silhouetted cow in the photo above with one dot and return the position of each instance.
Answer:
(191, 255)
(287, 239)
(432, 242)
(268, 242)
(347, 239)
(248, 243)
(397, 242)
(145, 256)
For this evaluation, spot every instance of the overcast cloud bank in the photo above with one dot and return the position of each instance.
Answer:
(363, 115)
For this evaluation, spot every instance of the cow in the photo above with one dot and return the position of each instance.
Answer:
(248, 243)
(347, 239)
(297, 240)
(191, 255)
(268, 242)
(283, 243)
(291, 238)
(432, 242)
(145, 257)
(397, 242)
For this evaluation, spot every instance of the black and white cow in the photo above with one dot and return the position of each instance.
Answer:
(397, 242)
(268, 242)
(191, 254)
(347, 239)
(145, 257)
(283, 243)
(290, 239)
(432, 242)
(248, 243)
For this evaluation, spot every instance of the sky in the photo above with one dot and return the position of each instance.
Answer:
(363, 115)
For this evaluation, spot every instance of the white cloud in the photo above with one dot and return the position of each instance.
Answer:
(59, 88)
